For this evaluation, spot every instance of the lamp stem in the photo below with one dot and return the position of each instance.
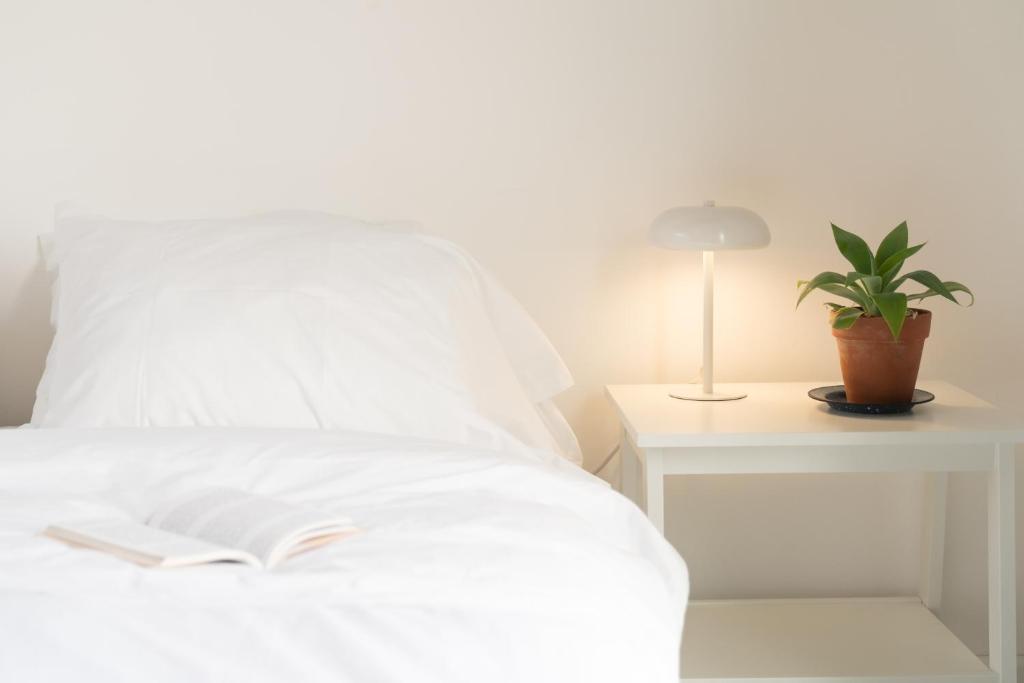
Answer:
(707, 370)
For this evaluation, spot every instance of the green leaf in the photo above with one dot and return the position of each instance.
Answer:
(844, 318)
(828, 277)
(834, 307)
(929, 280)
(855, 250)
(855, 295)
(894, 242)
(853, 276)
(872, 283)
(892, 265)
(950, 286)
(893, 307)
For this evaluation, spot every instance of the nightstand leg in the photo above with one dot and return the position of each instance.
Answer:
(1002, 602)
(627, 469)
(654, 484)
(934, 546)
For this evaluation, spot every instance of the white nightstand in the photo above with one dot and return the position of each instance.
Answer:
(778, 429)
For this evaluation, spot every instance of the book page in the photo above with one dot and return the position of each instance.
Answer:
(262, 526)
(144, 545)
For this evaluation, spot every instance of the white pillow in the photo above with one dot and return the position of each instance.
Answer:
(291, 320)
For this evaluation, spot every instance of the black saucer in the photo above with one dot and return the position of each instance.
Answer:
(835, 397)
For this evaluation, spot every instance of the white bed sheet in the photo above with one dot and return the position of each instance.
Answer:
(473, 566)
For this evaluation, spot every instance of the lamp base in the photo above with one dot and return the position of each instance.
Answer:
(697, 395)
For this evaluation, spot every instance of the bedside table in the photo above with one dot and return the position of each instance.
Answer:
(779, 429)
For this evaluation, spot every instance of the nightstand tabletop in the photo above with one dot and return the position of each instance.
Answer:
(781, 414)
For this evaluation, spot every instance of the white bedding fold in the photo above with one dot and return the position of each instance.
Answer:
(473, 566)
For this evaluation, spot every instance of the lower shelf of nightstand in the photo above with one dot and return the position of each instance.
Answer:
(880, 640)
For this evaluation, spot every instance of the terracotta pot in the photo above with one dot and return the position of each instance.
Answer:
(877, 368)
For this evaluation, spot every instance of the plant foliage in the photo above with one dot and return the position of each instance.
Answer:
(870, 289)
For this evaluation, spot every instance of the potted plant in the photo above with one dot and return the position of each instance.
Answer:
(879, 335)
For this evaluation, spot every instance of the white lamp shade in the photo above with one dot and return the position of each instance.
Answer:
(710, 228)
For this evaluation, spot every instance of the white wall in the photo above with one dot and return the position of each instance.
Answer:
(545, 136)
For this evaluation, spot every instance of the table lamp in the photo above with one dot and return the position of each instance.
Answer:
(709, 228)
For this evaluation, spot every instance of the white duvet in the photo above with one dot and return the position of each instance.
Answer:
(473, 566)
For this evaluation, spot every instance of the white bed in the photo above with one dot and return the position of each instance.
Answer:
(473, 566)
(486, 553)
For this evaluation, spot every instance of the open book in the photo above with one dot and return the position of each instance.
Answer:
(211, 525)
